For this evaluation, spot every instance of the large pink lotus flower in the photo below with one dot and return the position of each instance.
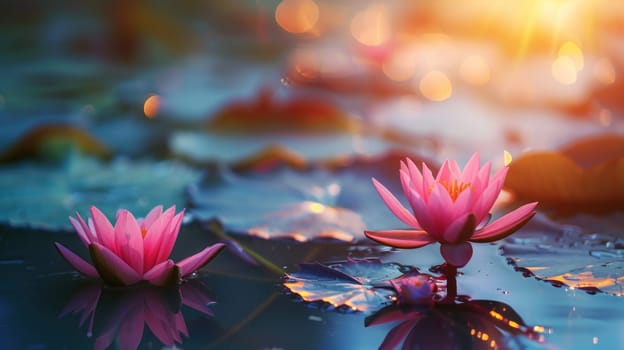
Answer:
(452, 209)
(134, 250)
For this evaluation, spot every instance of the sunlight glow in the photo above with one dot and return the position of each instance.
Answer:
(436, 86)
(297, 16)
(372, 25)
(575, 53)
(315, 207)
(507, 157)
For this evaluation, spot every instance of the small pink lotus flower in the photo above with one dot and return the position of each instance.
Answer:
(134, 250)
(414, 289)
(452, 209)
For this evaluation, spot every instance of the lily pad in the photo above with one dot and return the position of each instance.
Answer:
(267, 114)
(318, 203)
(284, 204)
(587, 175)
(44, 196)
(586, 252)
(54, 142)
(354, 285)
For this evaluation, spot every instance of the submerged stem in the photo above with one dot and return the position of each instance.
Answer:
(216, 228)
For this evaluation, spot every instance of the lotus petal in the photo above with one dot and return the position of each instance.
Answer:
(456, 254)
(194, 262)
(395, 206)
(401, 238)
(505, 225)
(76, 262)
(165, 273)
(111, 268)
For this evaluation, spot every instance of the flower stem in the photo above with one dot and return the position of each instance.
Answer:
(450, 272)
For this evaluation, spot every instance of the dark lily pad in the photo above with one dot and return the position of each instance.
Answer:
(584, 252)
(354, 285)
(267, 114)
(44, 196)
(54, 142)
(587, 175)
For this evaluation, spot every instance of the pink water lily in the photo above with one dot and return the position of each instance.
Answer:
(134, 250)
(453, 209)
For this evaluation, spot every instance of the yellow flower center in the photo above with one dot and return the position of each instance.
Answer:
(143, 231)
(454, 188)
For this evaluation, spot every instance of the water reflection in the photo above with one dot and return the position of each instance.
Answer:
(454, 322)
(472, 324)
(120, 314)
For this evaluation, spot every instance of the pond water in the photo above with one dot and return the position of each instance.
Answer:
(45, 305)
(266, 122)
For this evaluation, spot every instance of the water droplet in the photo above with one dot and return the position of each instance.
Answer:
(315, 318)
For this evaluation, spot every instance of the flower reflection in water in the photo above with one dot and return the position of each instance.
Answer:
(474, 324)
(453, 322)
(121, 313)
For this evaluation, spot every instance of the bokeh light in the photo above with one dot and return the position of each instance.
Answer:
(371, 26)
(436, 86)
(402, 65)
(564, 71)
(305, 63)
(297, 16)
(151, 106)
(475, 70)
(575, 53)
(604, 71)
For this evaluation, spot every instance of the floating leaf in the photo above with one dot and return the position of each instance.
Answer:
(266, 114)
(54, 142)
(283, 204)
(584, 253)
(39, 195)
(556, 179)
(592, 151)
(302, 206)
(354, 285)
